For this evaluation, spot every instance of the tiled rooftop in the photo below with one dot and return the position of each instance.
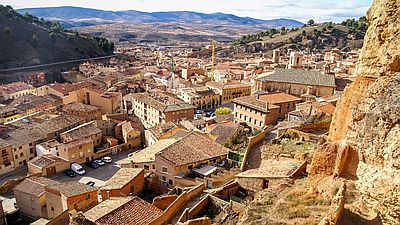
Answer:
(136, 211)
(79, 107)
(254, 103)
(161, 102)
(70, 189)
(15, 87)
(121, 178)
(82, 131)
(35, 185)
(229, 85)
(305, 77)
(148, 154)
(278, 97)
(192, 148)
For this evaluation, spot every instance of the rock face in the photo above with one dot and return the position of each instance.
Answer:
(368, 117)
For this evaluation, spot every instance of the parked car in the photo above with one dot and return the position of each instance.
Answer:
(91, 183)
(92, 165)
(77, 168)
(209, 114)
(199, 111)
(99, 162)
(107, 159)
(70, 173)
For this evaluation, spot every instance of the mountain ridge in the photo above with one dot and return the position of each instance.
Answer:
(72, 14)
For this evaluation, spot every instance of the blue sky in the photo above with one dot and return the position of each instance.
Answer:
(319, 10)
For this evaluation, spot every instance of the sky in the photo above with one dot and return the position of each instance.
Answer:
(302, 10)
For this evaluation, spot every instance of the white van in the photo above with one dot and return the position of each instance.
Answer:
(77, 168)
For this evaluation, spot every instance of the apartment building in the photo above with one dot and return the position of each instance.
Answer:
(15, 90)
(82, 110)
(255, 112)
(286, 102)
(200, 97)
(6, 159)
(69, 196)
(156, 108)
(30, 196)
(230, 90)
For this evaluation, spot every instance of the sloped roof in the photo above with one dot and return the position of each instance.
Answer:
(192, 148)
(121, 178)
(123, 211)
(305, 77)
(35, 185)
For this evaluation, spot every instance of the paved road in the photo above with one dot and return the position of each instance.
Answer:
(103, 173)
(16, 69)
(19, 172)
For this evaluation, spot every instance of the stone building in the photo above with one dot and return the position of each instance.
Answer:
(200, 97)
(297, 82)
(230, 90)
(68, 196)
(286, 102)
(255, 112)
(30, 197)
(86, 111)
(156, 108)
(126, 182)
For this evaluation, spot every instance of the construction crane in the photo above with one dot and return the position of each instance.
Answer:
(213, 45)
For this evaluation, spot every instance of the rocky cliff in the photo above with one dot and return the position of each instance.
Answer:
(367, 120)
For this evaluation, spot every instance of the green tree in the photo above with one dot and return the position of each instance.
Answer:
(223, 111)
(310, 22)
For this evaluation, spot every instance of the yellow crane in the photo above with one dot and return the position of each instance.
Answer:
(213, 45)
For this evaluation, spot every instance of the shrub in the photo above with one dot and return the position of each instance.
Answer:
(223, 111)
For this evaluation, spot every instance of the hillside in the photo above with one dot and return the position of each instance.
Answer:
(316, 37)
(26, 40)
(76, 16)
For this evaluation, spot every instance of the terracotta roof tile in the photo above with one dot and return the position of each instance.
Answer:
(192, 148)
(136, 211)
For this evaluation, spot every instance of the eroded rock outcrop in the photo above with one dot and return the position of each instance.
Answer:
(368, 118)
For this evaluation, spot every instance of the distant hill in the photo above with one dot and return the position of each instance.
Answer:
(76, 16)
(348, 35)
(27, 40)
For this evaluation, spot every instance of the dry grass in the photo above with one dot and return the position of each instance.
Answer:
(303, 197)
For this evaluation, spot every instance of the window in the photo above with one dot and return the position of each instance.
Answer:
(163, 178)
(132, 189)
(87, 196)
(146, 167)
(31, 150)
(52, 208)
(16, 156)
(170, 182)
(154, 167)
(164, 169)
